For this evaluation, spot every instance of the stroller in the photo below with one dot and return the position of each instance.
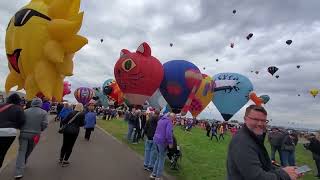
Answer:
(174, 154)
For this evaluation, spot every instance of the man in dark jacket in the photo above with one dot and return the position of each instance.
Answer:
(314, 147)
(275, 139)
(248, 158)
(149, 147)
(137, 127)
(131, 123)
(11, 118)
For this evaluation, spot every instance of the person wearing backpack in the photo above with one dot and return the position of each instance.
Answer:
(70, 130)
(11, 118)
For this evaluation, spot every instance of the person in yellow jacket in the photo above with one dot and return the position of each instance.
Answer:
(221, 132)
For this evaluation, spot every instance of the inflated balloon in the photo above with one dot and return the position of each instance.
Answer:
(234, 11)
(277, 76)
(66, 88)
(203, 96)
(41, 40)
(171, 44)
(249, 36)
(288, 42)
(217, 60)
(100, 97)
(83, 95)
(272, 70)
(298, 94)
(112, 91)
(231, 93)
(232, 45)
(138, 74)
(265, 98)
(257, 72)
(101, 40)
(157, 101)
(298, 66)
(257, 100)
(204, 68)
(179, 85)
(314, 92)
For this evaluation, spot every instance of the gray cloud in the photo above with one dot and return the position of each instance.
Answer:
(201, 31)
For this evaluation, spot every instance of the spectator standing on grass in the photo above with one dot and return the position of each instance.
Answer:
(248, 158)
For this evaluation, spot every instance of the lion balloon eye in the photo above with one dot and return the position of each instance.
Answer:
(24, 15)
(128, 64)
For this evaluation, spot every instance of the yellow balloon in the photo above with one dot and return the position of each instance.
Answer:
(314, 92)
(41, 40)
(203, 96)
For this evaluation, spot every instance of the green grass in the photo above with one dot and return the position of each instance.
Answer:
(202, 158)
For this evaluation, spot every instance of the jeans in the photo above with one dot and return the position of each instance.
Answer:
(161, 156)
(288, 158)
(130, 130)
(274, 149)
(5, 143)
(26, 145)
(149, 153)
(137, 135)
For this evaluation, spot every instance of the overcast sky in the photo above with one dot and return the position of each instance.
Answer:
(201, 32)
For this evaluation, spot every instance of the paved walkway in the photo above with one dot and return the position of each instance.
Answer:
(100, 158)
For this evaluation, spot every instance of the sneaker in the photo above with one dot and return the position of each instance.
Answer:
(150, 169)
(65, 163)
(145, 167)
(18, 176)
(152, 176)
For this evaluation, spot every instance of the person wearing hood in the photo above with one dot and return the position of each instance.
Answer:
(11, 118)
(36, 122)
(162, 138)
(248, 158)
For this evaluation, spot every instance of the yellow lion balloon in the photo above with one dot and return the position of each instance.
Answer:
(41, 40)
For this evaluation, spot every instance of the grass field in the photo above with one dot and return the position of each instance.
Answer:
(202, 158)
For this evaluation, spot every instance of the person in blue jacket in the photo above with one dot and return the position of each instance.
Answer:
(66, 110)
(90, 121)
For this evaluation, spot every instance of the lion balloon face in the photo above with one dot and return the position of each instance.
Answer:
(40, 42)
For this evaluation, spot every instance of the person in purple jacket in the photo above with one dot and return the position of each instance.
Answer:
(163, 137)
(46, 105)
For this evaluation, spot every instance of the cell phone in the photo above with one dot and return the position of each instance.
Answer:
(303, 169)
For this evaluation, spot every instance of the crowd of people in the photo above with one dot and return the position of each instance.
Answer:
(247, 156)
(31, 119)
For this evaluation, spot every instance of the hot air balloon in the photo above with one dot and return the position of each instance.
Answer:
(83, 95)
(66, 88)
(100, 97)
(298, 66)
(204, 68)
(217, 60)
(232, 45)
(234, 11)
(101, 40)
(157, 101)
(180, 83)
(203, 96)
(288, 42)
(298, 94)
(112, 91)
(272, 70)
(138, 74)
(265, 98)
(231, 93)
(277, 76)
(171, 44)
(249, 36)
(314, 92)
(257, 72)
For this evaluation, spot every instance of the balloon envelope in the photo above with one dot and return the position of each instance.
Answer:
(272, 70)
(180, 77)
(230, 99)
(314, 92)
(288, 42)
(66, 88)
(112, 91)
(203, 96)
(138, 74)
(157, 101)
(265, 98)
(83, 95)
